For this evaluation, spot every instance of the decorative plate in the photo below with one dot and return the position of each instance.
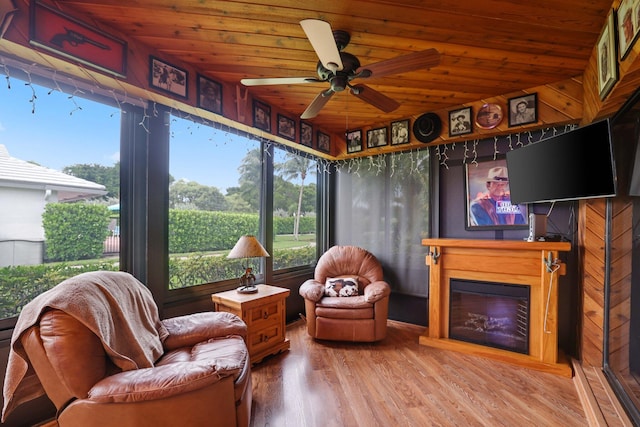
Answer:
(489, 116)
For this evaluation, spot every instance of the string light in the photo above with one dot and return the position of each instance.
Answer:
(33, 91)
(444, 158)
(72, 97)
(376, 163)
(6, 72)
(474, 159)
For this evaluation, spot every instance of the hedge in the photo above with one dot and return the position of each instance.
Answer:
(201, 231)
(195, 270)
(20, 284)
(75, 231)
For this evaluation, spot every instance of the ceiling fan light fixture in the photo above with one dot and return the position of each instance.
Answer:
(339, 83)
(340, 68)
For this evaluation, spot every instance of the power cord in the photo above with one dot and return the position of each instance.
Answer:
(552, 266)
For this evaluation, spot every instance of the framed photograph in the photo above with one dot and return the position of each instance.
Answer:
(354, 141)
(209, 94)
(167, 77)
(56, 32)
(261, 115)
(488, 202)
(523, 110)
(286, 127)
(306, 134)
(460, 122)
(324, 142)
(377, 137)
(607, 68)
(400, 132)
(628, 26)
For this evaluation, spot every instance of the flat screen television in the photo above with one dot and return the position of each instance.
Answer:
(577, 164)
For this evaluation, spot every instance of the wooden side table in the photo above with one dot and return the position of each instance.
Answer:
(264, 312)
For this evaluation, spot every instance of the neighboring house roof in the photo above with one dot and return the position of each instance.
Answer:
(16, 173)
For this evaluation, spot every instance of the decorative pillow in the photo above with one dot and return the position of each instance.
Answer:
(341, 287)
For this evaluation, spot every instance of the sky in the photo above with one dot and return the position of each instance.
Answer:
(56, 130)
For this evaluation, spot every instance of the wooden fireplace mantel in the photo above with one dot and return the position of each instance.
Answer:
(501, 261)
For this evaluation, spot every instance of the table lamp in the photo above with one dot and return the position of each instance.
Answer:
(247, 247)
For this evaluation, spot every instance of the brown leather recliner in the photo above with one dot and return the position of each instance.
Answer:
(197, 372)
(347, 318)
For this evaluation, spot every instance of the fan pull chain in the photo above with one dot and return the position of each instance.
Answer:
(347, 116)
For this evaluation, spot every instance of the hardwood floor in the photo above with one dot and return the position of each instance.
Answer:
(398, 382)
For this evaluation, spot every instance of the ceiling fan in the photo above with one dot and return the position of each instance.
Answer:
(339, 68)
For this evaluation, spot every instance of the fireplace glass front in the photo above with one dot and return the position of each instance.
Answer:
(490, 314)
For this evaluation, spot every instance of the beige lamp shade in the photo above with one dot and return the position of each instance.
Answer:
(248, 247)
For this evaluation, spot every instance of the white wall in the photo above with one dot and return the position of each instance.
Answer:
(21, 231)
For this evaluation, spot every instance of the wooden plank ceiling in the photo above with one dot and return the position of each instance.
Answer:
(488, 48)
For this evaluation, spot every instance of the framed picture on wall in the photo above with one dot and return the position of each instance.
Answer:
(324, 142)
(628, 25)
(306, 134)
(400, 132)
(286, 127)
(606, 58)
(56, 32)
(167, 77)
(209, 94)
(488, 201)
(460, 122)
(354, 141)
(377, 137)
(261, 116)
(523, 110)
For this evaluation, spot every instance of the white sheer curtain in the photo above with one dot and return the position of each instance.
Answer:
(383, 206)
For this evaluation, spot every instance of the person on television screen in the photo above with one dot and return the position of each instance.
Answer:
(494, 207)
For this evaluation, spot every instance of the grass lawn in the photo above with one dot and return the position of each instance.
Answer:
(281, 241)
(286, 241)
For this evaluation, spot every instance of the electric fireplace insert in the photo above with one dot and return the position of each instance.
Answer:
(490, 314)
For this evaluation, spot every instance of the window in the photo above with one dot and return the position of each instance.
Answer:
(214, 198)
(59, 188)
(216, 178)
(294, 209)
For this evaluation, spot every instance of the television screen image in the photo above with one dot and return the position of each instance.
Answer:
(574, 165)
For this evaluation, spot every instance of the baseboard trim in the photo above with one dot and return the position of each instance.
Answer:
(590, 404)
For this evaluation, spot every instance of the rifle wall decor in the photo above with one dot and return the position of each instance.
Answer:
(7, 10)
(54, 31)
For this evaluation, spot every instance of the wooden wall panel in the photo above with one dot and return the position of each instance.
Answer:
(592, 232)
(591, 238)
(620, 290)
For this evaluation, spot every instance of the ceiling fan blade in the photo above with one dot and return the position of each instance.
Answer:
(279, 81)
(405, 63)
(316, 105)
(375, 98)
(320, 35)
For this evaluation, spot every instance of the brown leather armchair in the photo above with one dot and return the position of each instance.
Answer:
(104, 358)
(347, 318)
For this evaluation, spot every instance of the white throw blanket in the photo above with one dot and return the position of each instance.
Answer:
(114, 305)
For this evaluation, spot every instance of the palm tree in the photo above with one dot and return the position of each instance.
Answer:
(250, 171)
(295, 167)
